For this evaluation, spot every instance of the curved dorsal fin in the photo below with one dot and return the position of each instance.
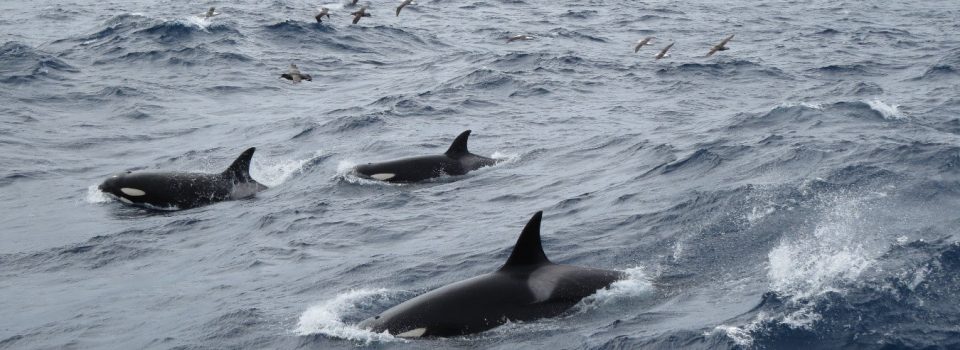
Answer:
(240, 169)
(528, 250)
(459, 145)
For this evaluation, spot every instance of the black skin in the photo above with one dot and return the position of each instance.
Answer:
(487, 301)
(456, 161)
(166, 190)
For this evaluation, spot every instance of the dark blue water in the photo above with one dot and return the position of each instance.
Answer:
(800, 190)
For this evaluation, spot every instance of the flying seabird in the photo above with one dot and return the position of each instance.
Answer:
(295, 75)
(519, 37)
(362, 12)
(402, 4)
(663, 53)
(719, 47)
(323, 12)
(640, 43)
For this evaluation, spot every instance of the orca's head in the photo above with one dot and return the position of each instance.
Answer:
(397, 324)
(119, 186)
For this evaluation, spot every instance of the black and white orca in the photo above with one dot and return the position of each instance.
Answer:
(456, 161)
(527, 287)
(172, 190)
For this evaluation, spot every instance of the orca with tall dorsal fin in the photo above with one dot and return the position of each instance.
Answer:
(527, 287)
(456, 161)
(175, 190)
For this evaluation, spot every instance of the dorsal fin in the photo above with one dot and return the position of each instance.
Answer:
(459, 145)
(240, 169)
(528, 250)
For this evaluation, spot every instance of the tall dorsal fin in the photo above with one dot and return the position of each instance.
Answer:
(459, 145)
(240, 169)
(528, 250)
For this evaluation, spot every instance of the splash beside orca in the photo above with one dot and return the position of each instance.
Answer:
(457, 160)
(178, 190)
(527, 287)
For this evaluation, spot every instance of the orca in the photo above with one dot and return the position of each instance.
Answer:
(456, 161)
(527, 287)
(175, 190)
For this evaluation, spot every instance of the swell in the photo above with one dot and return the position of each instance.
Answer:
(22, 64)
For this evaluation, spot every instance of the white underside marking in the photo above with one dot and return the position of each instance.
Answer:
(414, 333)
(125, 200)
(383, 176)
(132, 192)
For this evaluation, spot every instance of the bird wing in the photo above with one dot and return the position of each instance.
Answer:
(664, 51)
(637, 48)
(356, 18)
(725, 41)
(400, 8)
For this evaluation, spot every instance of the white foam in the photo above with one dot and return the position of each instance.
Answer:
(889, 112)
(274, 172)
(199, 21)
(758, 213)
(504, 158)
(816, 106)
(636, 284)
(95, 195)
(327, 318)
(810, 263)
(740, 336)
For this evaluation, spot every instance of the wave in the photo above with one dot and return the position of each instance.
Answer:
(725, 69)
(231, 325)
(581, 14)
(812, 263)
(851, 69)
(812, 113)
(575, 35)
(702, 161)
(274, 172)
(132, 27)
(898, 301)
(20, 63)
(636, 284)
(328, 318)
(188, 56)
(95, 253)
(948, 67)
(480, 79)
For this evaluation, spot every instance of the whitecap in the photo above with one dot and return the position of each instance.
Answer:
(327, 318)
(275, 172)
(95, 195)
(636, 284)
(889, 112)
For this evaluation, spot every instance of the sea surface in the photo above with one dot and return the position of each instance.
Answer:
(799, 190)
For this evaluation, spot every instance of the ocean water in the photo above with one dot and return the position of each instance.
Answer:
(800, 190)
